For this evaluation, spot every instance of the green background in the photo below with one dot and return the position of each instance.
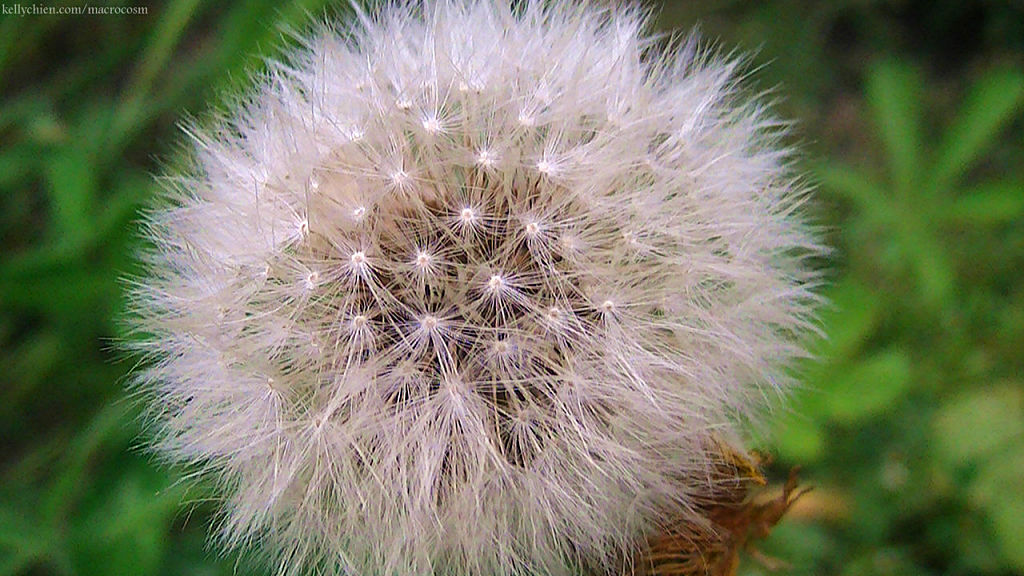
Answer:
(910, 424)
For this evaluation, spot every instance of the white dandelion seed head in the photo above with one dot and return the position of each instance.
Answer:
(463, 365)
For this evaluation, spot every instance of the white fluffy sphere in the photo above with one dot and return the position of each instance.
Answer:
(466, 289)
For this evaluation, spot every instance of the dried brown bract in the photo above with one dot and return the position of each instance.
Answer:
(740, 511)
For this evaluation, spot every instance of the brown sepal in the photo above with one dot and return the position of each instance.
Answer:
(739, 511)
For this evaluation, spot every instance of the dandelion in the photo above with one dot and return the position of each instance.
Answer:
(471, 289)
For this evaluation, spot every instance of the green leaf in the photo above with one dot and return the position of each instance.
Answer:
(893, 93)
(929, 261)
(857, 188)
(792, 539)
(869, 387)
(67, 292)
(33, 360)
(882, 562)
(999, 202)
(16, 165)
(22, 534)
(130, 117)
(73, 190)
(849, 320)
(111, 427)
(972, 426)
(124, 531)
(991, 103)
(1000, 492)
(798, 438)
(123, 205)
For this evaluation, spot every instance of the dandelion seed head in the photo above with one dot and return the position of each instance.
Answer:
(509, 331)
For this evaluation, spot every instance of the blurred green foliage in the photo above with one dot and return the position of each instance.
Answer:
(910, 424)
